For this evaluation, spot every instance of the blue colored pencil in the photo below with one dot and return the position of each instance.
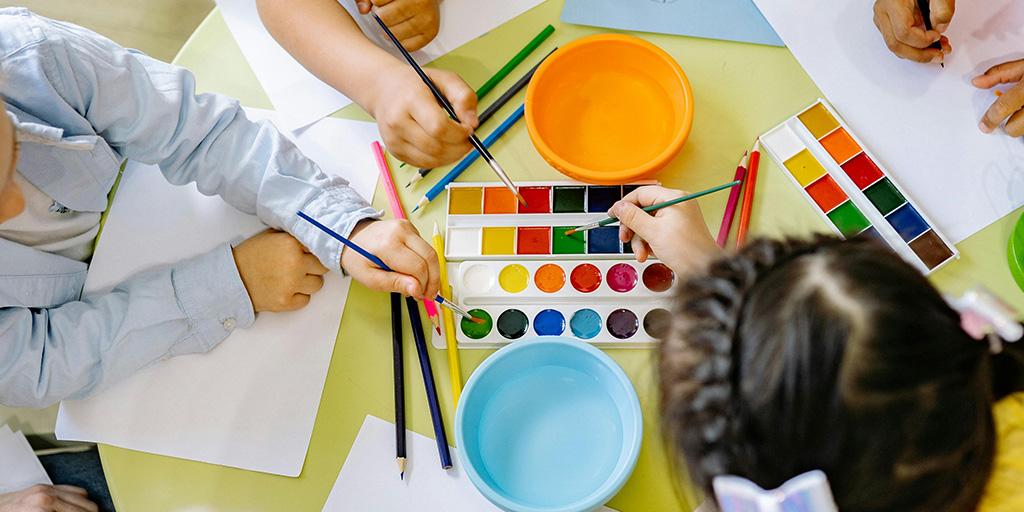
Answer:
(438, 187)
(428, 382)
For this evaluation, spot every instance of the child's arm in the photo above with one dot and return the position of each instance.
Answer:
(903, 29)
(676, 235)
(1009, 106)
(324, 38)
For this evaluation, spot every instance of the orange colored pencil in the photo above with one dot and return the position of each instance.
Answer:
(748, 195)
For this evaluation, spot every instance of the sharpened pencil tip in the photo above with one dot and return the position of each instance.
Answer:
(414, 208)
(401, 467)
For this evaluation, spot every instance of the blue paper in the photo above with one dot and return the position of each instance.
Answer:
(731, 20)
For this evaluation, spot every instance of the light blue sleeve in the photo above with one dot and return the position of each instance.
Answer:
(148, 110)
(80, 347)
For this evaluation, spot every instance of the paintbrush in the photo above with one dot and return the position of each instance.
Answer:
(473, 139)
(655, 207)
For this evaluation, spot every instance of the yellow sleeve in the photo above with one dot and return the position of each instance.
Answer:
(1005, 490)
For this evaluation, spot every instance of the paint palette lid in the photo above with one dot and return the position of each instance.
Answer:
(609, 109)
(549, 424)
(1016, 253)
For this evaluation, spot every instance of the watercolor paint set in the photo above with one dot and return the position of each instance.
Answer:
(515, 267)
(485, 221)
(847, 186)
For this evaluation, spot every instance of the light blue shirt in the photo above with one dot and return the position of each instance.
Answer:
(81, 105)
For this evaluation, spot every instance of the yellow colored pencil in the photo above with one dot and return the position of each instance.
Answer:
(452, 346)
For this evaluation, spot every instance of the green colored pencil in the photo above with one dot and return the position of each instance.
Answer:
(656, 207)
(515, 61)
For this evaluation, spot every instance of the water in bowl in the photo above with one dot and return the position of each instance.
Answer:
(552, 436)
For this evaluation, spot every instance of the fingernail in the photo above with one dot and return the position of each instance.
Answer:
(984, 127)
(937, 59)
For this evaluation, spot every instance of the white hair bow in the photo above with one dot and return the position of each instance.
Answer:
(808, 492)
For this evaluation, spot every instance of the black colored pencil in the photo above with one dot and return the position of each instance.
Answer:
(492, 108)
(399, 375)
(447, 106)
(428, 382)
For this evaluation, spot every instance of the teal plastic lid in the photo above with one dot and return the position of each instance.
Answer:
(1015, 253)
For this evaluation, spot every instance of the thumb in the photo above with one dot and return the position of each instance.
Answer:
(941, 13)
(364, 6)
(631, 216)
(459, 94)
(384, 281)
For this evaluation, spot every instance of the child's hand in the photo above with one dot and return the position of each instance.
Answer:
(414, 22)
(416, 271)
(676, 235)
(414, 127)
(278, 272)
(47, 498)
(902, 27)
(1009, 106)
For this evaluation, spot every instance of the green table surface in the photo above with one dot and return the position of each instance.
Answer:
(741, 91)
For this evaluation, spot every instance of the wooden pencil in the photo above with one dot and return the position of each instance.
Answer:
(749, 187)
(730, 206)
(451, 344)
(428, 383)
(398, 369)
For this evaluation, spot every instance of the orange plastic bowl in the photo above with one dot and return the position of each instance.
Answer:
(609, 109)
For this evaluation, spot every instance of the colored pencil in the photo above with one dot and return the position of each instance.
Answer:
(473, 139)
(428, 383)
(655, 207)
(516, 59)
(438, 187)
(399, 213)
(380, 263)
(926, 14)
(398, 370)
(492, 109)
(730, 207)
(749, 187)
(451, 345)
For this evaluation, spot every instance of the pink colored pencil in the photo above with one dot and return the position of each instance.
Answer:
(399, 212)
(734, 199)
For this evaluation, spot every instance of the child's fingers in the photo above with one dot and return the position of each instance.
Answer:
(941, 13)
(625, 234)
(406, 30)
(311, 264)
(384, 281)
(1015, 125)
(639, 249)
(392, 13)
(904, 50)
(72, 489)
(432, 279)
(634, 218)
(1006, 105)
(418, 133)
(407, 152)
(907, 31)
(436, 124)
(364, 6)
(297, 301)
(1007, 72)
(461, 96)
(404, 260)
(310, 284)
(651, 194)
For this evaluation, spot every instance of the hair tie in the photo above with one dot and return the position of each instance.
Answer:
(808, 492)
(984, 316)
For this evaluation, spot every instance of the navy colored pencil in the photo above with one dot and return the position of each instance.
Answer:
(428, 382)
(399, 376)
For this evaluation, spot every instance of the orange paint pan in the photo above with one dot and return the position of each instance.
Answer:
(609, 109)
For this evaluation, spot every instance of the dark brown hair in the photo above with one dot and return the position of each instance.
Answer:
(796, 355)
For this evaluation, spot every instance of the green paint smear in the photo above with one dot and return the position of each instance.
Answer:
(569, 199)
(572, 244)
(885, 196)
(475, 330)
(848, 219)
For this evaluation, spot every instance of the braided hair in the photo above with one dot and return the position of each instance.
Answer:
(795, 355)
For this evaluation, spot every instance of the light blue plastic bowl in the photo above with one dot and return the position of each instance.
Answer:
(548, 425)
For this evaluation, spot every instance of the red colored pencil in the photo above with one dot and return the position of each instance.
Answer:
(730, 207)
(748, 195)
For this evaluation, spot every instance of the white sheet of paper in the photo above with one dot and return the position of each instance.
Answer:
(251, 402)
(920, 120)
(20, 467)
(301, 98)
(369, 478)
